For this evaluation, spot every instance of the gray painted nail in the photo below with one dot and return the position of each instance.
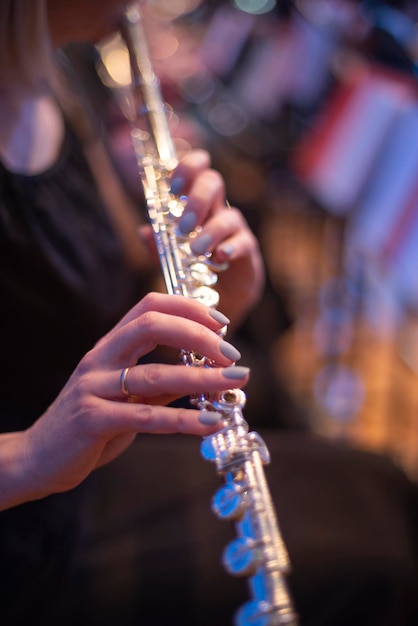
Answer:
(236, 372)
(219, 317)
(209, 417)
(227, 249)
(201, 245)
(188, 222)
(229, 351)
(177, 185)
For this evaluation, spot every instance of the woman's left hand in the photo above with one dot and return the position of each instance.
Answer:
(222, 231)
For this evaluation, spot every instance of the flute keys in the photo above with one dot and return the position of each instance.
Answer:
(261, 613)
(229, 502)
(253, 613)
(202, 275)
(206, 295)
(240, 557)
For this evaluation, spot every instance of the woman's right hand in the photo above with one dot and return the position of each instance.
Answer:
(93, 420)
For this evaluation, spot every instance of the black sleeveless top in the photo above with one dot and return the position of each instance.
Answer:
(63, 284)
(63, 280)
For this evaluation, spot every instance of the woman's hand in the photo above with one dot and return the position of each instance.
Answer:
(99, 411)
(222, 231)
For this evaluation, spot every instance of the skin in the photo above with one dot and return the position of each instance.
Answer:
(91, 421)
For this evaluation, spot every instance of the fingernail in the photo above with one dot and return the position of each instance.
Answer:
(177, 185)
(235, 372)
(188, 222)
(201, 245)
(209, 417)
(229, 351)
(219, 317)
(227, 249)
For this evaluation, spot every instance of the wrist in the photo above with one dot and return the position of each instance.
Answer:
(16, 485)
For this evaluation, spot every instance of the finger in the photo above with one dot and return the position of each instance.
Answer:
(172, 305)
(228, 235)
(190, 166)
(207, 193)
(206, 196)
(118, 418)
(151, 380)
(240, 245)
(141, 335)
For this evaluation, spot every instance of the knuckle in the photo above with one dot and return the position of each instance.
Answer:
(84, 411)
(203, 339)
(145, 417)
(240, 219)
(229, 220)
(83, 388)
(182, 419)
(147, 321)
(196, 158)
(151, 300)
(152, 376)
(87, 363)
(215, 177)
(215, 181)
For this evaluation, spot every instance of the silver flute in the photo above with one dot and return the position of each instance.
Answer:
(258, 551)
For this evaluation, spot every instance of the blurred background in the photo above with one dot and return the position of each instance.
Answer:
(309, 109)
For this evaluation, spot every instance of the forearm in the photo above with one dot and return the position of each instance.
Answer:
(15, 484)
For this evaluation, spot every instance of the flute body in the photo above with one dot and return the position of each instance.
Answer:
(258, 551)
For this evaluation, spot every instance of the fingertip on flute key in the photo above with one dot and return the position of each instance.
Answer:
(219, 317)
(209, 417)
(230, 351)
(177, 185)
(235, 372)
(188, 222)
